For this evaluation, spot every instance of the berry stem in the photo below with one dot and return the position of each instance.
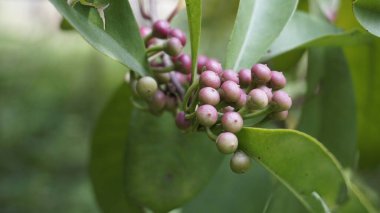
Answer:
(162, 69)
(258, 113)
(147, 38)
(190, 116)
(153, 50)
(177, 85)
(210, 134)
(194, 101)
(188, 94)
(175, 11)
(142, 11)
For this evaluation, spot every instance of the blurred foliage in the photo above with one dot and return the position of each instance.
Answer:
(50, 93)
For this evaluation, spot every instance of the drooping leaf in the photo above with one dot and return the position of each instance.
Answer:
(164, 167)
(119, 40)
(304, 166)
(194, 17)
(257, 25)
(107, 155)
(329, 112)
(367, 12)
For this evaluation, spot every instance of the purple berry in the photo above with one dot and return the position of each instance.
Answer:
(277, 81)
(245, 77)
(227, 143)
(145, 31)
(158, 101)
(230, 75)
(161, 29)
(181, 121)
(214, 65)
(146, 87)
(231, 91)
(207, 115)
(257, 99)
(242, 100)
(209, 79)
(267, 91)
(261, 74)
(281, 101)
(240, 162)
(232, 122)
(181, 78)
(177, 33)
(183, 63)
(279, 116)
(209, 95)
(201, 63)
(173, 47)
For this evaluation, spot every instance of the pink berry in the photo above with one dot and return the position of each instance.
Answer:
(201, 63)
(231, 91)
(232, 122)
(277, 81)
(281, 101)
(145, 31)
(261, 73)
(245, 77)
(257, 99)
(183, 63)
(214, 65)
(267, 91)
(227, 143)
(209, 79)
(173, 47)
(177, 33)
(209, 95)
(181, 121)
(207, 115)
(242, 100)
(230, 75)
(161, 29)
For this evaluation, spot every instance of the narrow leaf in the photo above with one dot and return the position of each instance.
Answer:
(194, 17)
(367, 12)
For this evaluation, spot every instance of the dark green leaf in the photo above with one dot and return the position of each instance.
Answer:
(65, 25)
(367, 12)
(329, 112)
(120, 39)
(257, 25)
(107, 155)
(194, 17)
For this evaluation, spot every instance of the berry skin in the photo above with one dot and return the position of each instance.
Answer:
(145, 31)
(158, 101)
(181, 121)
(261, 74)
(146, 87)
(161, 29)
(181, 78)
(207, 115)
(279, 116)
(173, 47)
(201, 63)
(162, 78)
(232, 122)
(281, 101)
(230, 75)
(242, 100)
(183, 63)
(214, 65)
(227, 143)
(240, 162)
(228, 109)
(257, 99)
(177, 33)
(209, 79)
(231, 91)
(245, 77)
(267, 91)
(171, 103)
(277, 81)
(209, 95)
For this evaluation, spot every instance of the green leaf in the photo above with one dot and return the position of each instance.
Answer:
(119, 40)
(65, 25)
(367, 12)
(108, 152)
(304, 166)
(166, 168)
(329, 112)
(194, 17)
(305, 30)
(257, 25)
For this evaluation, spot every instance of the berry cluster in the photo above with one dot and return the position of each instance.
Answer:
(213, 100)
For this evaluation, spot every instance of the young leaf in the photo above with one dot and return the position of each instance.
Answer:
(194, 16)
(108, 152)
(367, 12)
(257, 25)
(119, 40)
(303, 165)
(329, 112)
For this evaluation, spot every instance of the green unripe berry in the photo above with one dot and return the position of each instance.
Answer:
(146, 87)
(240, 162)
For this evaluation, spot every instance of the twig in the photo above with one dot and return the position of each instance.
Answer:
(178, 86)
(142, 11)
(175, 11)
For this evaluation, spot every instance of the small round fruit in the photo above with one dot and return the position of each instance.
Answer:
(214, 65)
(242, 100)
(173, 47)
(277, 81)
(209, 95)
(240, 162)
(145, 31)
(281, 101)
(245, 77)
(261, 74)
(209, 79)
(201, 63)
(257, 99)
(183, 63)
(227, 142)
(146, 87)
(207, 115)
(177, 33)
(161, 29)
(280, 116)
(231, 91)
(230, 75)
(158, 101)
(267, 91)
(181, 121)
(232, 122)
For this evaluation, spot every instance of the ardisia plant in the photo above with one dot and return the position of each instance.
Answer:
(149, 149)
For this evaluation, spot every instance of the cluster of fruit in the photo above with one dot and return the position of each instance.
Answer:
(214, 100)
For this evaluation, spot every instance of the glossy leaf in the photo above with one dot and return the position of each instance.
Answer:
(119, 40)
(107, 155)
(329, 112)
(257, 25)
(194, 17)
(367, 12)
(165, 168)
(283, 152)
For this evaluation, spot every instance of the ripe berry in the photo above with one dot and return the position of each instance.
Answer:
(161, 29)
(267, 91)
(158, 101)
(281, 101)
(207, 115)
(209, 95)
(177, 33)
(279, 116)
(209, 79)
(214, 65)
(145, 31)
(232, 122)
(245, 77)
(230, 75)
(231, 91)
(277, 81)
(201, 63)
(227, 143)
(146, 87)
(240, 162)
(173, 47)
(181, 121)
(228, 109)
(181, 78)
(242, 100)
(261, 73)
(257, 99)
(183, 63)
